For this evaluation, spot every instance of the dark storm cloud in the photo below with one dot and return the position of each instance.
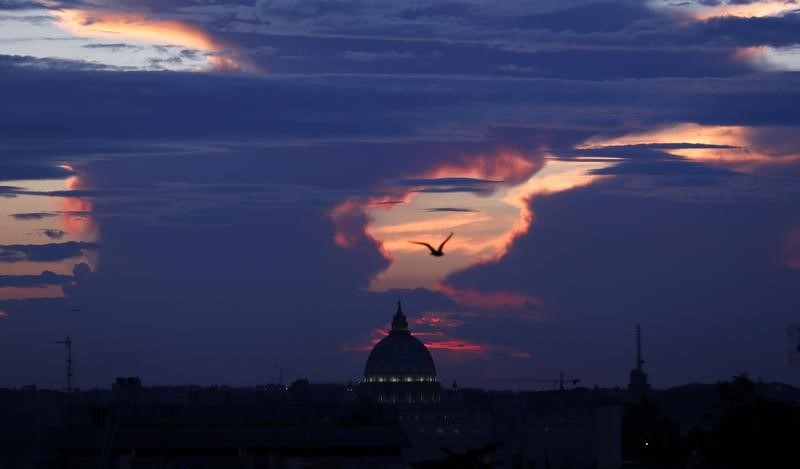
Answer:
(452, 181)
(584, 39)
(551, 57)
(18, 5)
(777, 31)
(703, 274)
(42, 280)
(449, 10)
(20, 171)
(293, 11)
(450, 209)
(664, 167)
(33, 216)
(454, 189)
(51, 64)
(30, 19)
(586, 24)
(583, 18)
(115, 47)
(10, 253)
(650, 159)
(85, 105)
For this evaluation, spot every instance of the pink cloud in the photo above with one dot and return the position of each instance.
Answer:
(495, 301)
(437, 331)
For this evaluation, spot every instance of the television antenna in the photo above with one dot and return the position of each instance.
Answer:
(70, 372)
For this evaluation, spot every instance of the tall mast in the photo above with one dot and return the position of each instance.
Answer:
(68, 343)
(639, 361)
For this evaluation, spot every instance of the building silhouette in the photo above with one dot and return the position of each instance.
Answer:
(400, 369)
(398, 416)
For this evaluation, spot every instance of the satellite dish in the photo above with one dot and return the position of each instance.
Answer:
(793, 334)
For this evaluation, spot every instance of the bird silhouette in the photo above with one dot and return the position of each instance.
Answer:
(435, 252)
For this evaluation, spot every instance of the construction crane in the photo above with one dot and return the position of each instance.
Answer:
(68, 344)
(557, 382)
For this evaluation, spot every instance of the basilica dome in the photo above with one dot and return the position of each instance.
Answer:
(400, 368)
(400, 353)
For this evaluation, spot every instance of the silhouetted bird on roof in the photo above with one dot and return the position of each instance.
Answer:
(435, 252)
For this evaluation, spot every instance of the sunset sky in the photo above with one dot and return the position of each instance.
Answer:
(201, 191)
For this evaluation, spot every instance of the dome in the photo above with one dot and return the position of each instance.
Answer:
(400, 354)
(400, 368)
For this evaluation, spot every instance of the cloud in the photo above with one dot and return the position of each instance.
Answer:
(374, 56)
(115, 47)
(33, 216)
(143, 27)
(13, 253)
(54, 234)
(18, 5)
(26, 62)
(387, 107)
(452, 181)
(439, 331)
(604, 257)
(248, 207)
(451, 209)
(449, 185)
(577, 39)
(22, 171)
(42, 280)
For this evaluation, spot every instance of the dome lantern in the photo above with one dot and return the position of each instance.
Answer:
(399, 321)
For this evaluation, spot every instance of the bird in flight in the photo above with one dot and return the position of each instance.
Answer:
(435, 252)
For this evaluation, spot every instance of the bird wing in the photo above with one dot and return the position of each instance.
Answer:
(445, 241)
(424, 244)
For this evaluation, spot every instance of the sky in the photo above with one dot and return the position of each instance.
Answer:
(204, 192)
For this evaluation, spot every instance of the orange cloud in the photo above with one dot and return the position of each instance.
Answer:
(484, 233)
(504, 165)
(342, 214)
(142, 27)
(75, 219)
(757, 9)
(75, 212)
(351, 223)
(746, 153)
(17, 293)
(3, 314)
(699, 12)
